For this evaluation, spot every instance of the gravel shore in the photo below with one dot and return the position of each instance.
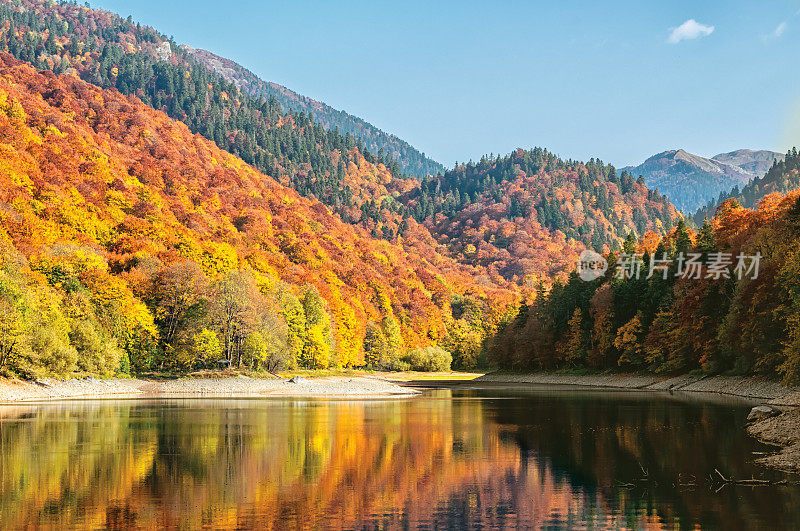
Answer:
(236, 387)
(782, 431)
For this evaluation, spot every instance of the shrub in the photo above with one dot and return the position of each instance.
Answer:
(395, 365)
(429, 359)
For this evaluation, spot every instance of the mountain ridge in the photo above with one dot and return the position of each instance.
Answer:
(526, 216)
(756, 162)
(412, 161)
(104, 49)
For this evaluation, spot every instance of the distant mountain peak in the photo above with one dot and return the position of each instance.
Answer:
(690, 180)
(781, 177)
(755, 162)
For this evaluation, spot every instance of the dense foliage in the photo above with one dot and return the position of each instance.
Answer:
(677, 324)
(526, 216)
(411, 161)
(129, 242)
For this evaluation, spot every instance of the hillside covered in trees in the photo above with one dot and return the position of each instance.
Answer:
(111, 52)
(526, 216)
(154, 249)
(676, 322)
(411, 161)
(129, 243)
(522, 214)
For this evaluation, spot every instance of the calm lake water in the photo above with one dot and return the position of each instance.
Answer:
(450, 459)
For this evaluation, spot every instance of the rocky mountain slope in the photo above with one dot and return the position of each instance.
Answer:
(756, 163)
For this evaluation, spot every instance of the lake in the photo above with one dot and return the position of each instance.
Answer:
(473, 458)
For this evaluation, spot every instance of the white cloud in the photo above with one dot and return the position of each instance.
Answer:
(691, 29)
(776, 33)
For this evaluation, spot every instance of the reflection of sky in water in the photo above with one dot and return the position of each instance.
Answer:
(482, 458)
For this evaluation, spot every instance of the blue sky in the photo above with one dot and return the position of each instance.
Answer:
(615, 80)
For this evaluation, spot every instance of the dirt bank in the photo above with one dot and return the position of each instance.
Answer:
(236, 387)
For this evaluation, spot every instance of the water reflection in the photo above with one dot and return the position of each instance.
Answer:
(476, 459)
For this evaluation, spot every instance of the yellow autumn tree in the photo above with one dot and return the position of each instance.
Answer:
(573, 349)
(628, 342)
(319, 338)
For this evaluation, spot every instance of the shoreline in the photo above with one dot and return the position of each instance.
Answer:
(751, 387)
(781, 431)
(337, 387)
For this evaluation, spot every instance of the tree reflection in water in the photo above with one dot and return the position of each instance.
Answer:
(479, 458)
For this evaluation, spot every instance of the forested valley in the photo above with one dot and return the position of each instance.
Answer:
(156, 218)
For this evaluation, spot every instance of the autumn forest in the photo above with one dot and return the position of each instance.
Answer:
(155, 217)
